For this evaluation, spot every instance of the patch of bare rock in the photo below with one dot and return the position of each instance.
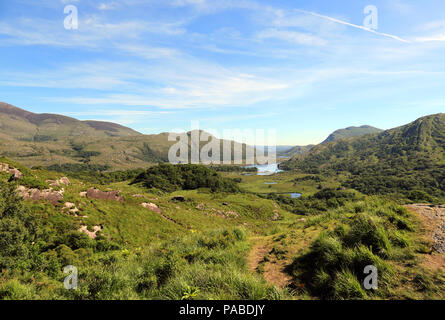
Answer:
(151, 206)
(57, 183)
(35, 194)
(104, 195)
(91, 234)
(217, 212)
(70, 208)
(16, 174)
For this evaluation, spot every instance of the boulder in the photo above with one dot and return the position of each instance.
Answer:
(151, 206)
(105, 195)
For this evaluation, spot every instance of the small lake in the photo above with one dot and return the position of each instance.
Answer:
(295, 195)
(266, 169)
(270, 182)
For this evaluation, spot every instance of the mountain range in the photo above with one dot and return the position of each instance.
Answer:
(52, 139)
(406, 159)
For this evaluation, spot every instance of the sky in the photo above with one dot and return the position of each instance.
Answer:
(303, 68)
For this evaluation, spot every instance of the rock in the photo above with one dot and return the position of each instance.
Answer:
(276, 216)
(151, 206)
(105, 195)
(83, 194)
(69, 205)
(71, 208)
(178, 198)
(53, 183)
(225, 204)
(201, 206)
(137, 195)
(35, 194)
(16, 173)
(232, 214)
(65, 181)
(91, 234)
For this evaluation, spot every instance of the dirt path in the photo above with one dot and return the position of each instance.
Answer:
(273, 270)
(433, 220)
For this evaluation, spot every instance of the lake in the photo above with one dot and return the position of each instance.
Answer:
(295, 195)
(266, 169)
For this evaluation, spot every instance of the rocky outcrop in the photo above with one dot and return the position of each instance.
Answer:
(57, 183)
(36, 195)
(16, 174)
(91, 234)
(151, 206)
(104, 195)
(70, 208)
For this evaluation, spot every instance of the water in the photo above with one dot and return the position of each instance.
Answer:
(266, 169)
(270, 182)
(295, 195)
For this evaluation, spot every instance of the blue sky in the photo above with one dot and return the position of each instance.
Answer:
(303, 68)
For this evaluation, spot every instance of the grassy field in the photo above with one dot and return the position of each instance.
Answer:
(216, 245)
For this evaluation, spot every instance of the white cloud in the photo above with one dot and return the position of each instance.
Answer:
(107, 6)
(353, 25)
(294, 37)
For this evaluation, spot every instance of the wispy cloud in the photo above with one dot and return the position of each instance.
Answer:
(353, 25)
(294, 37)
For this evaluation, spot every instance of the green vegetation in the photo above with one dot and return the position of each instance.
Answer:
(362, 233)
(351, 132)
(227, 235)
(403, 160)
(167, 177)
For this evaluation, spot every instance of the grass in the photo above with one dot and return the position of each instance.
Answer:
(198, 249)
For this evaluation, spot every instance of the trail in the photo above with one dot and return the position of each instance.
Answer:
(433, 221)
(273, 270)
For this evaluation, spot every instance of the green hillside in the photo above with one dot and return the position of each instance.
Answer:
(336, 135)
(297, 150)
(406, 159)
(351, 132)
(55, 140)
(145, 240)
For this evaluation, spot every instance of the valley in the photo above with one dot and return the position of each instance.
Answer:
(162, 231)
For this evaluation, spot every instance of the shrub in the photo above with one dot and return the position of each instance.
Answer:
(168, 177)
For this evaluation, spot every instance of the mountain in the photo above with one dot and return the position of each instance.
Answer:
(27, 126)
(297, 150)
(405, 159)
(336, 135)
(351, 132)
(59, 141)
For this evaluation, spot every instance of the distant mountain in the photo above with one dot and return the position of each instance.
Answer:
(56, 140)
(336, 135)
(28, 126)
(297, 150)
(403, 159)
(351, 132)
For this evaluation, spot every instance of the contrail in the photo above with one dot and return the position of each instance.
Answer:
(354, 25)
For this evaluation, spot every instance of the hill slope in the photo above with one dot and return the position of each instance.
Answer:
(403, 159)
(51, 139)
(351, 132)
(28, 126)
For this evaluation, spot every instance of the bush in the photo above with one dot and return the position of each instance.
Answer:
(169, 178)
(18, 229)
